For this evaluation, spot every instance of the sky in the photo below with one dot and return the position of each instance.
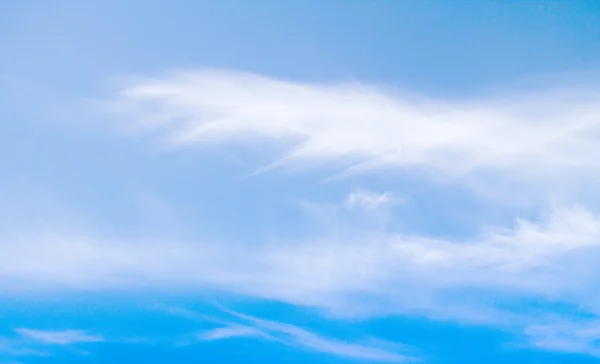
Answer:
(299, 182)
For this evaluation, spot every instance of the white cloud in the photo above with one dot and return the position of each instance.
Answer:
(32, 342)
(295, 336)
(369, 200)
(66, 337)
(232, 331)
(491, 141)
(364, 273)
(547, 140)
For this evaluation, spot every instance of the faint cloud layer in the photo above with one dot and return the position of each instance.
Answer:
(576, 336)
(363, 274)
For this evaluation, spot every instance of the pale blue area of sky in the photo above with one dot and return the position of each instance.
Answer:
(57, 55)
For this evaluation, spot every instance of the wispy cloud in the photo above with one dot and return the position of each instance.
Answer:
(370, 274)
(365, 128)
(295, 336)
(370, 200)
(32, 342)
(381, 272)
(66, 337)
(483, 143)
(229, 332)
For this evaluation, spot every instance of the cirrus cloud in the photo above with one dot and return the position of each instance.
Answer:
(551, 135)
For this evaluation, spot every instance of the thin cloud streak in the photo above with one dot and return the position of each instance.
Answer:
(294, 336)
(29, 342)
(65, 337)
(229, 332)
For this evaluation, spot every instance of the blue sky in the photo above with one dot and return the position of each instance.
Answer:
(301, 181)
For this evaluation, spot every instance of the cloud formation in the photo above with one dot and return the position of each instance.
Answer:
(294, 336)
(549, 134)
(33, 342)
(66, 337)
(548, 140)
(372, 273)
(229, 332)
(370, 200)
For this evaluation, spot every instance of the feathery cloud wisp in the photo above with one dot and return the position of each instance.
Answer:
(548, 133)
(295, 336)
(232, 331)
(66, 337)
